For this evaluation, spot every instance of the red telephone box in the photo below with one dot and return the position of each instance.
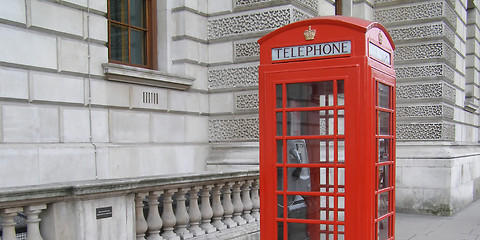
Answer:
(327, 131)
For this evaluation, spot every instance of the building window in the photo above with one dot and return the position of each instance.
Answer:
(131, 32)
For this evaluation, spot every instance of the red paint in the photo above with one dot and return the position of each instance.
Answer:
(306, 120)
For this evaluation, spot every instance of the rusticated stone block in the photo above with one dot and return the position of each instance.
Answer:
(423, 11)
(237, 129)
(426, 91)
(425, 71)
(437, 29)
(232, 77)
(425, 111)
(246, 101)
(425, 131)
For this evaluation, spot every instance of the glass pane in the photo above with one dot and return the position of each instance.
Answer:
(279, 151)
(278, 89)
(300, 231)
(138, 17)
(310, 123)
(118, 43)
(314, 94)
(340, 93)
(383, 95)
(341, 209)
(280, 231)
(279, 124)
(138, 47)
(280, 204)
(311, 207)
(303, 151)
(383, 150)
(383, 123)
(383, 177)
(341, 151)
(341, 177)
(383, 204)
(383, 229)
(119, 10)
(310, 179)
(341, 122)
(280, 179)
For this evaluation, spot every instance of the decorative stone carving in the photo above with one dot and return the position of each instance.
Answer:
(418, 71)
(429, 10)
(247, 49)
(33, 221)
(248, 23)
(233, 129)
(247, 101)
(140, 222)
(299, 15)
(423, 31)
(154, 221)
(228, 205)
(426, 131)
(425, 51)
(182, 215)
(194, 213)
(425, 111)
(311, 5)
(233, 77)
(425, 91)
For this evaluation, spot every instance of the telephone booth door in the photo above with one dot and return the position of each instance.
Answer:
(327, 131)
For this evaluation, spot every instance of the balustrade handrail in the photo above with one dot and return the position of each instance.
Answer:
(56, 192)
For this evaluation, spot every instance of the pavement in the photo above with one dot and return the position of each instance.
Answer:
(463, 225)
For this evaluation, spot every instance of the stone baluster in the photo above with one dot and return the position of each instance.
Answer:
(206, 209)
(194, 212)
(228, 206)
(217, 207)
(247, 201)
(141, 223)
(182, 215)
(168, 216)
(237, 204)
(8, 232)
(154, 221)
(255, 200)
(33, 221)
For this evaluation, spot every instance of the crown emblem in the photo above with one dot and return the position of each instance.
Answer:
(310, 33)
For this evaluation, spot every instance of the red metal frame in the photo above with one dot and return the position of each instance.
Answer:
(361, 74)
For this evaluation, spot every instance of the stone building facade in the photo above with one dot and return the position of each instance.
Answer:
(67, 114)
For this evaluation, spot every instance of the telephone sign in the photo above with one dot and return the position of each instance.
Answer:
(327, 131)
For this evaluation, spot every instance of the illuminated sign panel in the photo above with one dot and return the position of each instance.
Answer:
(312, 50)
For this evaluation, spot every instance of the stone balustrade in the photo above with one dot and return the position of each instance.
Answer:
(189, 206)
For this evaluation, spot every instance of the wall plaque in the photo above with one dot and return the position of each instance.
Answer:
(104, 212)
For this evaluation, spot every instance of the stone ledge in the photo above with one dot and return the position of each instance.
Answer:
(141, 76)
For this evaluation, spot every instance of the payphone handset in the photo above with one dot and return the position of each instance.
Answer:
(299, 177)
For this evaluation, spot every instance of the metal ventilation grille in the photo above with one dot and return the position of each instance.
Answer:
(150, 98)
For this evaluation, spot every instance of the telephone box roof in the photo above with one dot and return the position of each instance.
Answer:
(358, 24)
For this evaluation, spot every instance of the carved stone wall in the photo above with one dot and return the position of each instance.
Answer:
(423, 11)
(425, 71)
(246, 50)
(426, 91)
(425, 51)
(233, 129)
(246, 101)
(426, 131)
(232, 77)
(425, 111)
(430, 30)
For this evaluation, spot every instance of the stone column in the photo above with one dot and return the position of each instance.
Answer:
(8, 224)
(194, 212)
(141, 223)
(182, 215)
(33, 226)
(228, 206)
(237, 204)
(255, 200)
(154, 221)
(168, 216)
(217, 207)
(247, 201)
(206, 209)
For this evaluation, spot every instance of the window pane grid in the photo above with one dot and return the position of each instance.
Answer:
(327, 196)
(135, 50)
